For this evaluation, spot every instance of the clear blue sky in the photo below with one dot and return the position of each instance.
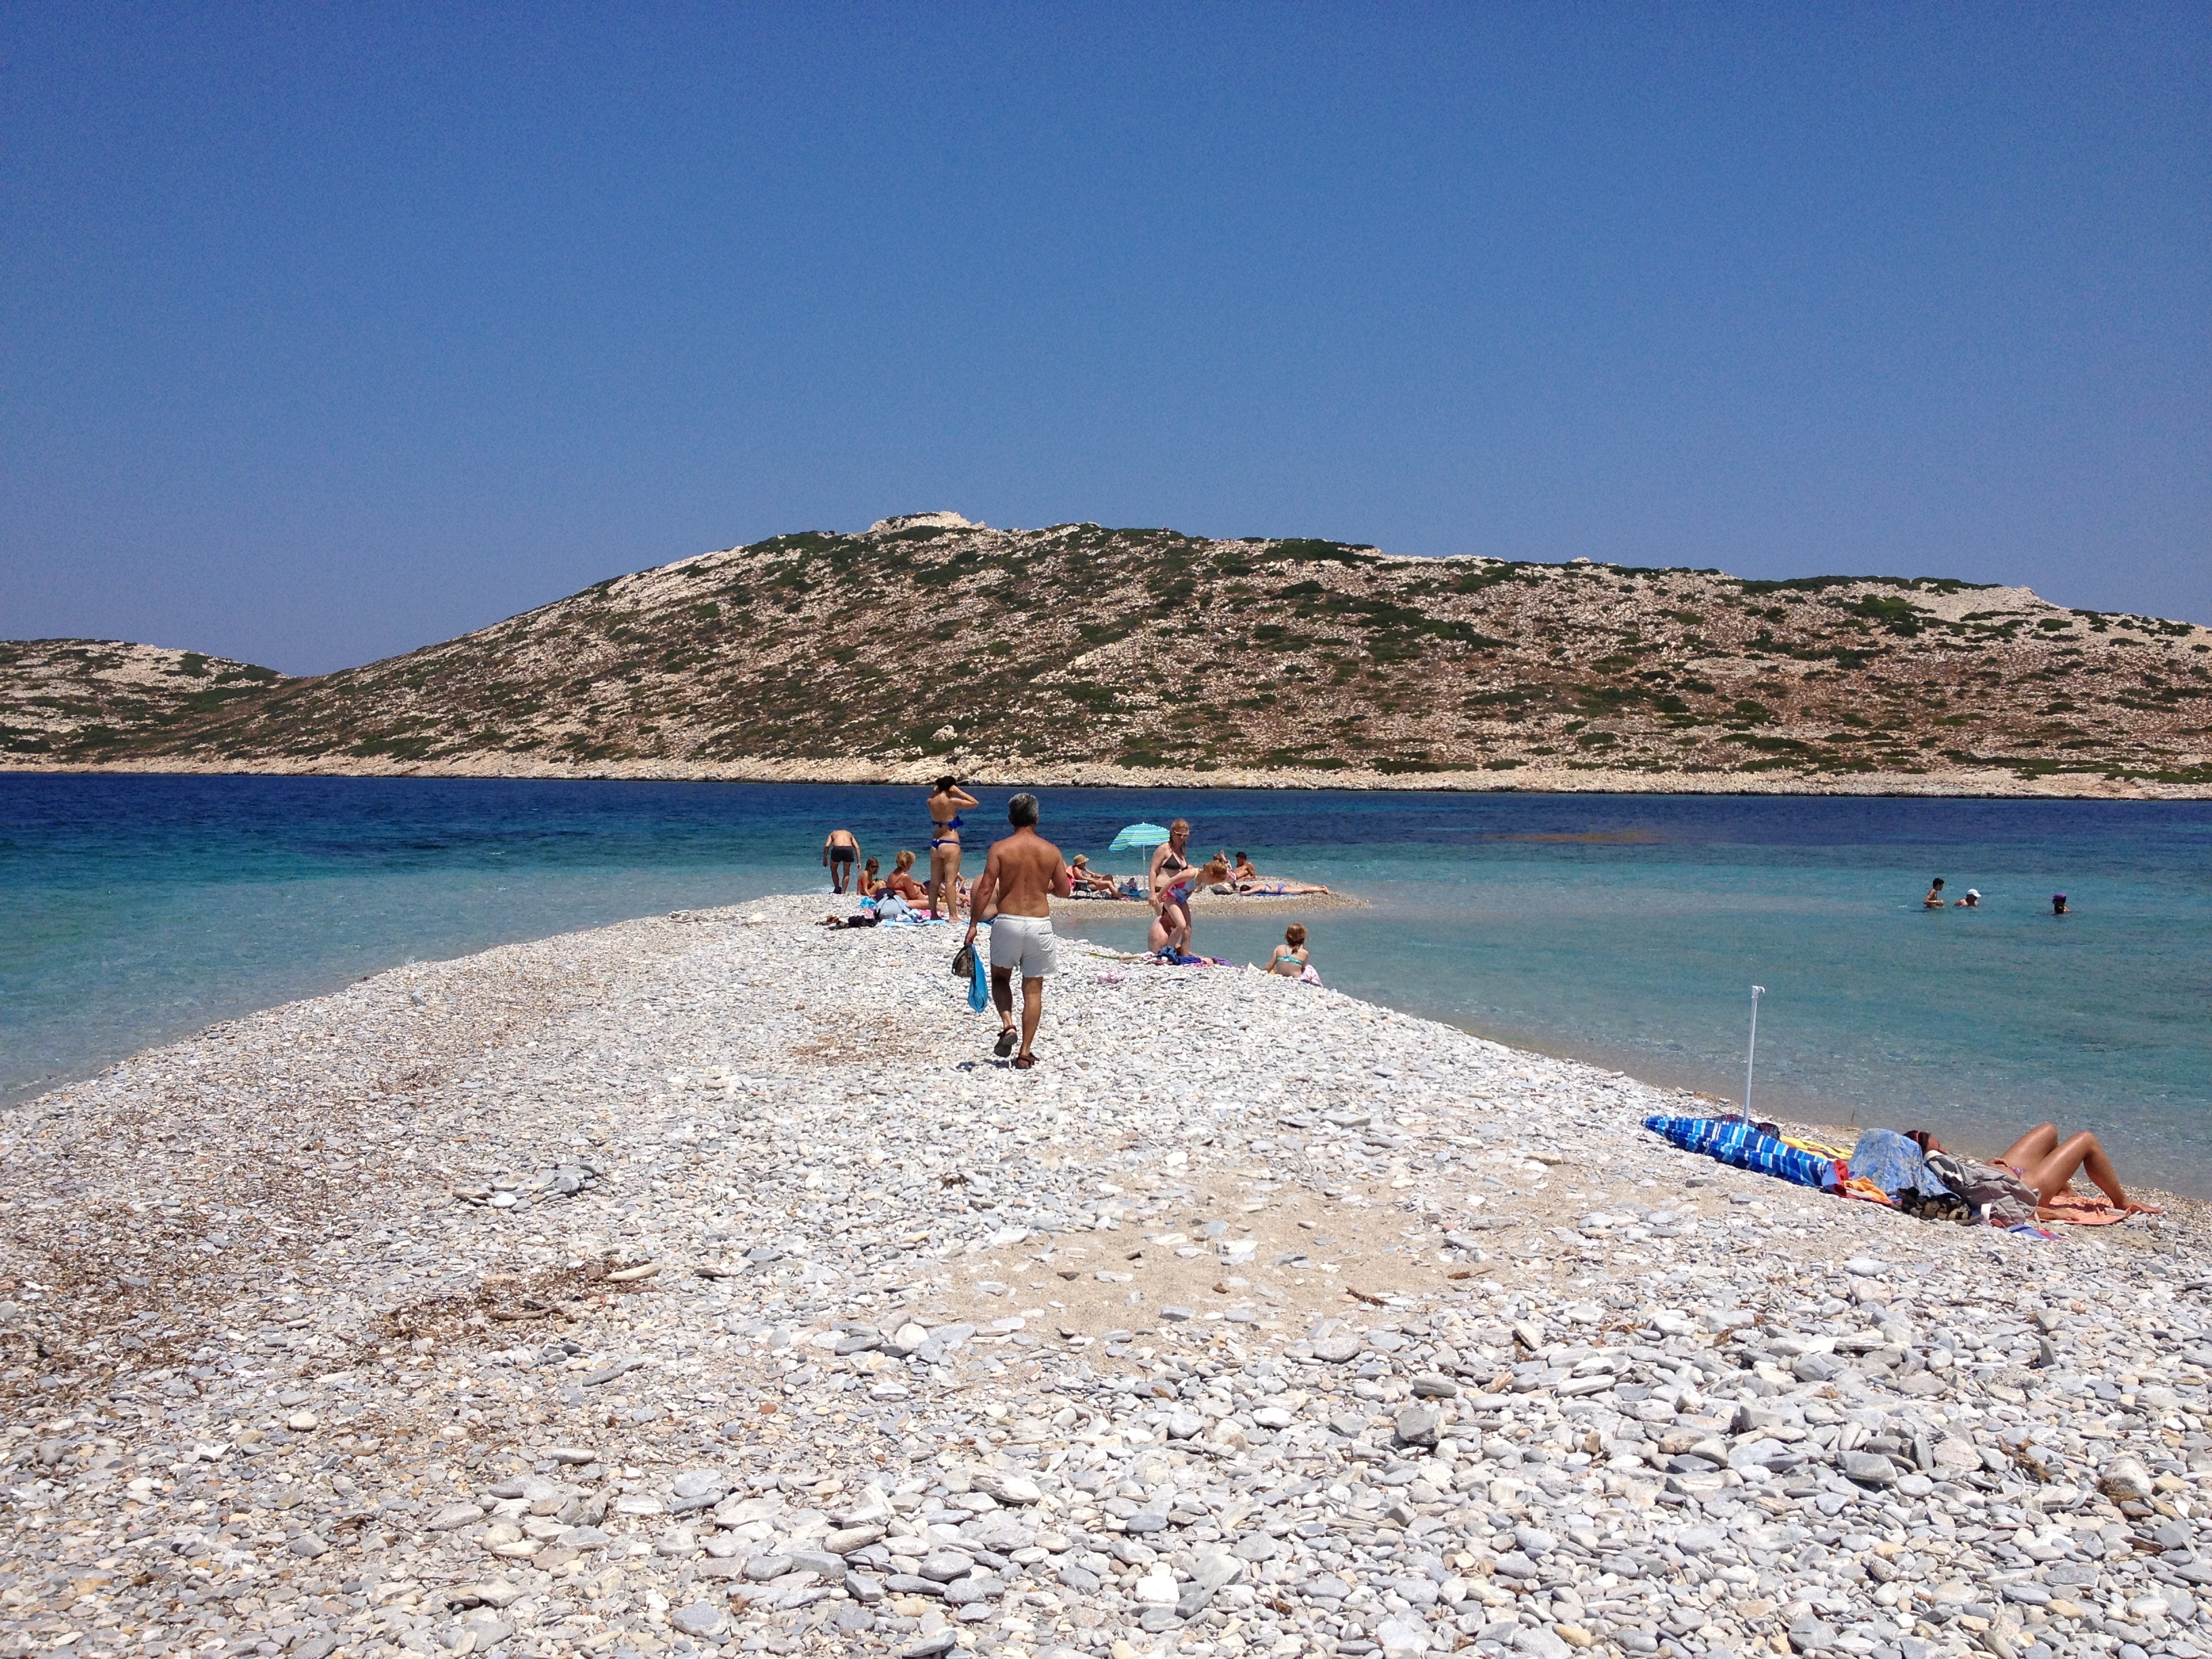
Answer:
(326, 331)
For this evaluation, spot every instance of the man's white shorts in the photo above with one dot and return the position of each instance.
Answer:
(1025, 946)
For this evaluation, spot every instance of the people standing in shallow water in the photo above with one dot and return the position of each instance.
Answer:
(947, 800)
(1934, 899)
(840, 849)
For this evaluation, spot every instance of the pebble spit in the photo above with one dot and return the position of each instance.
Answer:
(702, 1284)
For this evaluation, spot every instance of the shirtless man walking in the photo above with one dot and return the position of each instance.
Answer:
(1021, 877)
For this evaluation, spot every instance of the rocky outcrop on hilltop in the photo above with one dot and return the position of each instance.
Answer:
(83, 699)
(1080, 653)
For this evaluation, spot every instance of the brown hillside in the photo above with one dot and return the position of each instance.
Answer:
(1133, 654)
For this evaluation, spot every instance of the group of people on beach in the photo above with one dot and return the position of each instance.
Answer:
(943, 894)
(1936, 901)
(1022, 874)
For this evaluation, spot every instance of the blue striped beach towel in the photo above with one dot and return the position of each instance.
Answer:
(1735, 1142)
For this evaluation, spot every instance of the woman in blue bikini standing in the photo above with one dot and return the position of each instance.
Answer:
(947, 800)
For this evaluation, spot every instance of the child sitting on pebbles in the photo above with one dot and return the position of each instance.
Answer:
(1290, 959)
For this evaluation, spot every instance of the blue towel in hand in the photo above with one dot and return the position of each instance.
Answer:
(979, 987)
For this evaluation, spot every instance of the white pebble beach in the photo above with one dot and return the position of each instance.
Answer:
(702, 1285)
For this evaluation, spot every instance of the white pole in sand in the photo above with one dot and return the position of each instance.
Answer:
(1751, 1052)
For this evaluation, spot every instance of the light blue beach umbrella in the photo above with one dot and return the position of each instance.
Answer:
(1139, 835)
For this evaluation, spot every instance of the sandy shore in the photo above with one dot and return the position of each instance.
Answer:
(1991, 783)
(702, 1283)
(1072, 911)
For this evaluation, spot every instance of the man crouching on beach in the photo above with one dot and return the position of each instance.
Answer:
(1021, 877)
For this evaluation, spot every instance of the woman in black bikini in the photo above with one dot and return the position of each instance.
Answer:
(1172, 879)
(946, 802)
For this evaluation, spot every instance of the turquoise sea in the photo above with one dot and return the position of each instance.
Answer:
(1623, 929)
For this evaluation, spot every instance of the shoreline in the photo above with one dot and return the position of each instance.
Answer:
(647, 1286)
(1988, 783)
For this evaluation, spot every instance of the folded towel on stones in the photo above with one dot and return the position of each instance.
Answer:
(1733, 1141)
(1819, 1147)
(1860, 1187)
(2077, 1211)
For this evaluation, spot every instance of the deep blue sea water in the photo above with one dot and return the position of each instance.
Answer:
(1623, 929)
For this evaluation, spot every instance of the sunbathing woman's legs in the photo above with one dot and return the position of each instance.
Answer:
(2078, 1151)
(2048, 1164)
(2032, 1148)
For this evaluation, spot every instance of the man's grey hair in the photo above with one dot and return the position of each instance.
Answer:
(1022, 811)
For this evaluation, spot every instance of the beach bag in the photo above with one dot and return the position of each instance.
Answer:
(979, 987)
(1997, 1193)
(963, 961)
(1946, 1170)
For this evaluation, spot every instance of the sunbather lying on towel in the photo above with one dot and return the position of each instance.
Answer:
(2049, 1166)
(1249, 883)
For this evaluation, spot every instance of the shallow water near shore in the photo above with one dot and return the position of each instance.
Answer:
(1627, 930)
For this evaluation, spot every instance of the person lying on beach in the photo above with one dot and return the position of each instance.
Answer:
(2047, 1166)
(1290, 957)
(1086, 881)
(1934, 899)
(1250, 883)
(1277, 887)
(903, 882)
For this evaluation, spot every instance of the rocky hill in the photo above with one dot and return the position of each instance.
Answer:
(1082, 654)
(82, 700)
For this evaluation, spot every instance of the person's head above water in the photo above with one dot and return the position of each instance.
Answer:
(2058, 904)
(1938, 882)
(1022, 811)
